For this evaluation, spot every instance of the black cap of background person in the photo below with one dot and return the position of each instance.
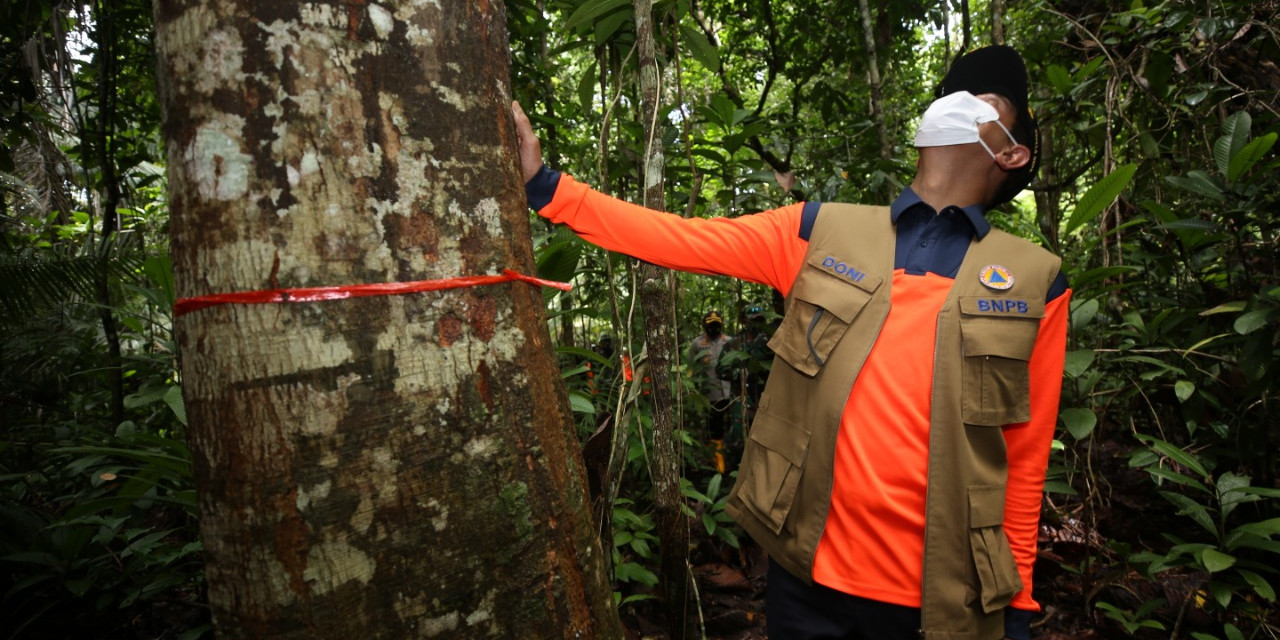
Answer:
(1000, 69)
(712, 317)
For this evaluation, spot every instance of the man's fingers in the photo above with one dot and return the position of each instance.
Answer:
(522, 120)
(524, 129)
(530, 146)
(785, 180)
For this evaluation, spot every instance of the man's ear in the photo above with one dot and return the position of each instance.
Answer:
(1014, 157)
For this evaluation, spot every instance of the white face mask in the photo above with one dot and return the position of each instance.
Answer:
(954, 119)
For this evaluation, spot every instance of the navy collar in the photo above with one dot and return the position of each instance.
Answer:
(973, 213)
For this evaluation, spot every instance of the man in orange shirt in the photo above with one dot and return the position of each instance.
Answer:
(894, 469)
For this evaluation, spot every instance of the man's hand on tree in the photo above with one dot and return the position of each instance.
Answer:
(530, 145)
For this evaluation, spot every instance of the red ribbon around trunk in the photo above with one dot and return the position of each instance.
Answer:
(317, 294)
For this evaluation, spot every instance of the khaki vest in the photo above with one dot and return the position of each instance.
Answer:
(834, 312)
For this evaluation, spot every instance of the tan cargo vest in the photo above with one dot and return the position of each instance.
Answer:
(834, 312)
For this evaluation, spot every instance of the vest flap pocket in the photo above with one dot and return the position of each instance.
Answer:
(998, 579)
(997, 377)
(844, 290)
(1002, 307)
(771, 467)
(1003, 335)
(986, 505)
(982, 342)
(787, 440)
(820, 307)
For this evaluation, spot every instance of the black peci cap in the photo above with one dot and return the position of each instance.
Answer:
(1000, 69)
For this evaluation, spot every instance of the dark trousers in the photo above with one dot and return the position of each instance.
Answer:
(799, 611)
(718, 419)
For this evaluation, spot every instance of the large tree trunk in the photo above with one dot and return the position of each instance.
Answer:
(378, 467)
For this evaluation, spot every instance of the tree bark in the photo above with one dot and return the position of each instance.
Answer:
(658, 305)
(1048, 209)
(109, 189)
(877, 94)
(997, 21)
(380, 467)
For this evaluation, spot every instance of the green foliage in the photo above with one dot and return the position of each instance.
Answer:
(1241, 556)
(99, 521)
(100, 532)
(1231, 631)
(1132, 621)
(711, 506)
(1158, 188)
(634, 547)
(1100, 196)
(1174, 339)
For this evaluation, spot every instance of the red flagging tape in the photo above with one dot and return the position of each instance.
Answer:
(626, 367)
(317, 294)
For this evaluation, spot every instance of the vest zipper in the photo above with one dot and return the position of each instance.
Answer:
(928, 479)
(808, 336)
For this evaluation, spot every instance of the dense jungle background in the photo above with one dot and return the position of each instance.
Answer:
(1158, 187)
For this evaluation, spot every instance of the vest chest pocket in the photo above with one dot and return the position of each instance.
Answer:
(997, 353)
(820, 308)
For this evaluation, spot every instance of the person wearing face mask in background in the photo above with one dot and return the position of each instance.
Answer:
(895, 466)
(704, 353)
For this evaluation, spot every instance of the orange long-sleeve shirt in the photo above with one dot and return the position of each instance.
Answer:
(872, 545)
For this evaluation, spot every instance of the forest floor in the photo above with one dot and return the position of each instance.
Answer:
(1081, 563)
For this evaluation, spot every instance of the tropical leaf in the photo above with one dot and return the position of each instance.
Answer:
(1216, 561)
(1060, 78)
(1177, 455)
(700, 47)
(35, 279)
(1100, 195)
(1078, 361)
(1244, 160)
(1252, 321)
(1080, 422)
(1198, 182)
(1235, 133)
(1183, 389)
(592, 10)
(1193, 224)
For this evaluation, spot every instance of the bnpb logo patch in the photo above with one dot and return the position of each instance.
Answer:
(995, 277)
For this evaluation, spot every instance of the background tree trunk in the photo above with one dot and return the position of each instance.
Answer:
(383, 467)
(102, 137)
(657, 303)
(1048, 187)
(997, 21)
(877, 95)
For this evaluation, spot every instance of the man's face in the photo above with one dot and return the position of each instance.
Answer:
(991, 134)
(1002, 105)
(999, 140)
